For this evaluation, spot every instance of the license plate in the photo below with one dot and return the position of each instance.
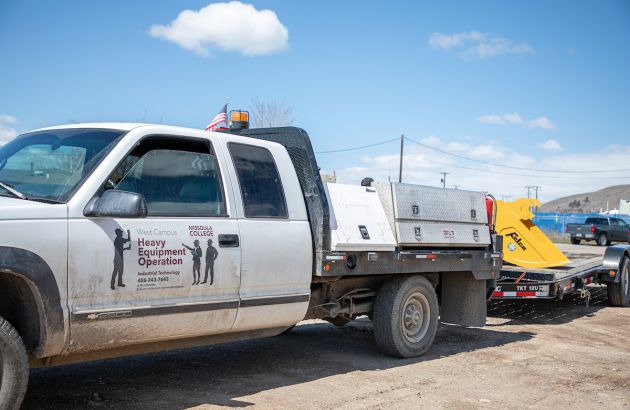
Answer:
(578, 234)
(511, 287)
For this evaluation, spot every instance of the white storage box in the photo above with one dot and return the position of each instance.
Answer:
(357, 219)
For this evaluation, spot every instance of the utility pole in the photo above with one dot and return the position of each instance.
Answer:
(402, 143)
(444, 174)
(529, 190)
(536, 188)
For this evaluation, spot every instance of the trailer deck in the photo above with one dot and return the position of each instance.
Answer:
(584, 268)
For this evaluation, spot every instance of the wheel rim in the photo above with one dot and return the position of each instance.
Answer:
(602, 239)
(415, 317)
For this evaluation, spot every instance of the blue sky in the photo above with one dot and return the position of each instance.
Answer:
(535, 85)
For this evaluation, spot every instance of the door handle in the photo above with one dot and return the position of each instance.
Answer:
(228, 241)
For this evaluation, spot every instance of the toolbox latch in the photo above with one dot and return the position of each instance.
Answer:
(364, 232)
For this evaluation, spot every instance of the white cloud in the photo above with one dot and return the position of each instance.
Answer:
(473, 44)
(550, 145)
(232, 26)
(516, 119)
(423, 166)
(491, 119)
(7, 119)
(431, 140)
(7, 132)
(541, 122)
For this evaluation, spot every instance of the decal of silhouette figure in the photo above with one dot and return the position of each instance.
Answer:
(119, 260)
(196, 254)
(211, 255)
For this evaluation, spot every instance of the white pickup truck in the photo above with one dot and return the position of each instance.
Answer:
(118, 239)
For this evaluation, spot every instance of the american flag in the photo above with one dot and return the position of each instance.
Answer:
(221, 117)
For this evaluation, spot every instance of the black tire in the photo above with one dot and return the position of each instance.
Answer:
(575, 241)
(405, 316)
(338, 320)
(602, 240)
(619, 293)
(13, 367)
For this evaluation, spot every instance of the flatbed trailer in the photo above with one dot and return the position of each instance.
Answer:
(585, 268)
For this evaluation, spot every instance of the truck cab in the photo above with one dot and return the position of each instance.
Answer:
(222, 233)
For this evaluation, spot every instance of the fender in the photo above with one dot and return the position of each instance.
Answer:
(40, 278)
(613, 258)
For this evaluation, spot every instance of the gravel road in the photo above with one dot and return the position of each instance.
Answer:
(540, 354)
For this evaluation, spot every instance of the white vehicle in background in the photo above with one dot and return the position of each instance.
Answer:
(118, 239)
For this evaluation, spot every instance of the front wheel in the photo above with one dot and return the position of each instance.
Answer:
(13, 367)
(575, 241)
(602, 240)
(405, 316)
(619, 293)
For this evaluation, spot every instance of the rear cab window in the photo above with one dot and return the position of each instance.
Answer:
(596, 221)
(259, 181)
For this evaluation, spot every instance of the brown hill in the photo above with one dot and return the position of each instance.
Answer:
(589, 201)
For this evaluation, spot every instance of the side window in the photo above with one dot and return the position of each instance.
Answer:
(178, 177)
(261, 187)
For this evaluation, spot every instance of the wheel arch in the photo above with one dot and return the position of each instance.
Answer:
(613, 258)
(30, 297)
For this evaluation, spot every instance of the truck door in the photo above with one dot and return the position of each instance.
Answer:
(276, 265)
(171, 275)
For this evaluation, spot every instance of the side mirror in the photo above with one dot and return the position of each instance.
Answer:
(117, 204)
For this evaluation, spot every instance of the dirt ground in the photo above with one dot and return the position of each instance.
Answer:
(558, 354)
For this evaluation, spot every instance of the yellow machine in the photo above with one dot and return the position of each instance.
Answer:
(524, 244)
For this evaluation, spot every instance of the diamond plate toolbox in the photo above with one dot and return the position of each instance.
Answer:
(428, 216)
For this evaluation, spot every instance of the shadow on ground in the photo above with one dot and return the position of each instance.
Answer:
(221, 374)
(553, 312)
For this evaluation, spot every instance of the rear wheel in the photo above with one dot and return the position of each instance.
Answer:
(619, 293)
(405, 316)
(603, 240)
(13, 367)
(575, 241)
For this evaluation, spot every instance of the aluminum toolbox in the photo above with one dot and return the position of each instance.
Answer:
(428, 216)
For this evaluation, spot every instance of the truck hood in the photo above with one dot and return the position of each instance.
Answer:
(15, 209)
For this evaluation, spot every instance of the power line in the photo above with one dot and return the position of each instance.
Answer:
(495, 172)
(512, 166)
(359, 147)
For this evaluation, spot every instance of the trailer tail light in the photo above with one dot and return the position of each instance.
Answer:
(593, 229)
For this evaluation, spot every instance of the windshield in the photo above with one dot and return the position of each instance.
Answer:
(50, 165)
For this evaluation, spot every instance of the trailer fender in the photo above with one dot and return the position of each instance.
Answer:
(612, 261)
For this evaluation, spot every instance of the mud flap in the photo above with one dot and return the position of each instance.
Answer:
(463, 299)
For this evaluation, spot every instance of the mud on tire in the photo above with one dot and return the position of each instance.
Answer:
(13, 367)
(405, 316)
